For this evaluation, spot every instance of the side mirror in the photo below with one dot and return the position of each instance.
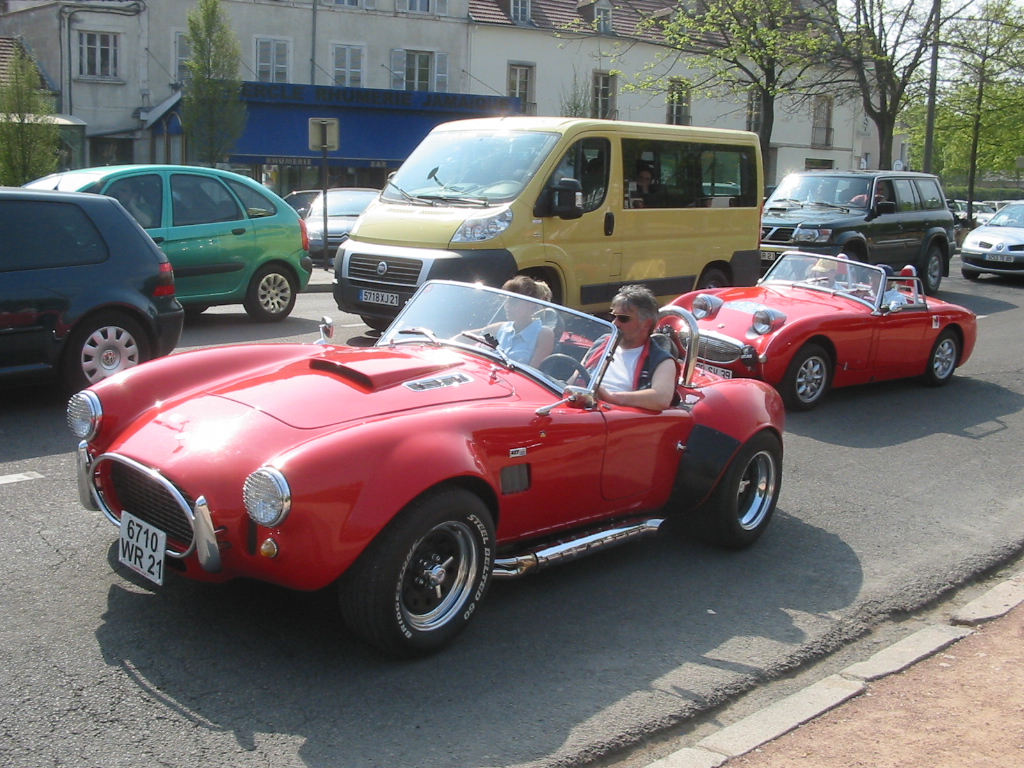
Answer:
(326, 330)
(885, 206)
(562, 198)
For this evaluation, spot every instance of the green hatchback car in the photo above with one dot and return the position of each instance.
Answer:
(229, 239)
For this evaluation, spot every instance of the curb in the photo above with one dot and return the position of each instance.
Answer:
(803, 706)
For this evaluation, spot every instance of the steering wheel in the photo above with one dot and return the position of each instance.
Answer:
(558, 360)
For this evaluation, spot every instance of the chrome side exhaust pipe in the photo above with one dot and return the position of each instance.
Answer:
(564, 551)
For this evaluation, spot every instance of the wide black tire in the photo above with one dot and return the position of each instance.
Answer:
(102, 345)
(271, 294)
(807, 379)
(931, 270)
(712, 278)
(743, 502)
(418, 584)
(943, 359)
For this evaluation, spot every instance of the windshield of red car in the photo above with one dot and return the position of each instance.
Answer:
(503, 326)
(828, 273)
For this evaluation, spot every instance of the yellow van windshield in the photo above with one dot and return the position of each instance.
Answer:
(470, 167)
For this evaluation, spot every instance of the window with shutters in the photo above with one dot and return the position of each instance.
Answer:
(419, 70)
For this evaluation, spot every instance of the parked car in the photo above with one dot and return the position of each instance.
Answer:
(344, 205)
(301, 199)
(816, 322)
(230, 240)
(84, 292)
(997, 247)
(875, 217)
(410, 473)
(981, 212)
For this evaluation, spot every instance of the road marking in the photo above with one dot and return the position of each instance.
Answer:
(19, 478)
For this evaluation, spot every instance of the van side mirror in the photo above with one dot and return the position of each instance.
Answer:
(562, 198)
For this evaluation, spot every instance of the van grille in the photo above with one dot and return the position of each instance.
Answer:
(399, 271)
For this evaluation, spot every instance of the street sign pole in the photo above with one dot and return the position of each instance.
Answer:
(324, 135)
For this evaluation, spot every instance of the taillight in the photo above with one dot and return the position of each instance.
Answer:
(165, 283)
(305, 235)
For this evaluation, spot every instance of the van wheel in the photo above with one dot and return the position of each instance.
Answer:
(713, 278)
(271, 295)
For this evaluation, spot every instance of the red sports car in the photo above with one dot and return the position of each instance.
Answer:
(814, 322)
(412, 472)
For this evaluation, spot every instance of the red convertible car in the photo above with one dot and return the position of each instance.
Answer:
(814, 322)
(411, 473)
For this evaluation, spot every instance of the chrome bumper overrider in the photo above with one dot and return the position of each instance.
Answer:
(204, 538)
(563, 551)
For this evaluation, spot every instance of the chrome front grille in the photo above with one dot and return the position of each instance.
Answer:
(718, 349)
(393, 270)
(777, 234)
(151, 500)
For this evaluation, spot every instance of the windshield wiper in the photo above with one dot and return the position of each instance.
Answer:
(483, 202)
(491, 343)
(830, 205)
(405, 195)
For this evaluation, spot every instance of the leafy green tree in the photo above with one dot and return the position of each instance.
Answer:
(757, 49)
(29, 137)
(887, 45)
(213, 114)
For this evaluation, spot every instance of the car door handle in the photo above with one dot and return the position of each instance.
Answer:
(158, 239)
(238, 231)
(609, 223)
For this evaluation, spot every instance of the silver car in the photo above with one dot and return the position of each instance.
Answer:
(996, 247)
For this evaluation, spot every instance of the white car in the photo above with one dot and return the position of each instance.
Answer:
(996, 247)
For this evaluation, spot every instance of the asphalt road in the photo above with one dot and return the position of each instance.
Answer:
(893, 494)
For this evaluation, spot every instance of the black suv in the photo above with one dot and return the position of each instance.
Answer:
(877, 217)
(84, 291)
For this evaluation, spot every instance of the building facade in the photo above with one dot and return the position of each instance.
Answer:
(388, 70)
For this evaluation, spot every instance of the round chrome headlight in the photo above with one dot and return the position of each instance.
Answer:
(705, 305)
(267, 497)
(85, 414)
(767, 320)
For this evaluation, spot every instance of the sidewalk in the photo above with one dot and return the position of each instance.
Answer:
(949, 696)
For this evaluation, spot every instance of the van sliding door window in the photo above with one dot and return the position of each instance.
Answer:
(688, 174)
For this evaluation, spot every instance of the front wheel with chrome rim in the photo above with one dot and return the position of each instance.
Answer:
(417, 585)
(943, 359)
(807, 378)
(743, 502)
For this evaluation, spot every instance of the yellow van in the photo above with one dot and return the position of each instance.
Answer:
(585, 205)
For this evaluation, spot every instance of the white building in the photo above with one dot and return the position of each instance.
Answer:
(380, 66)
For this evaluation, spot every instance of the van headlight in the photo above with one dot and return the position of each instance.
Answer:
(84, 415)
(267, 497)
(483, 226)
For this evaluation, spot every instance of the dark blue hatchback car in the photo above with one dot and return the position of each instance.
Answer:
(84, 291)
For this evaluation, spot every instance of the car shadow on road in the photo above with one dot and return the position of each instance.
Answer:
(661, 625)
(897, 412)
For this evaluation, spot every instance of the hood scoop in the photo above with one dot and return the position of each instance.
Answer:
(370, 374)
